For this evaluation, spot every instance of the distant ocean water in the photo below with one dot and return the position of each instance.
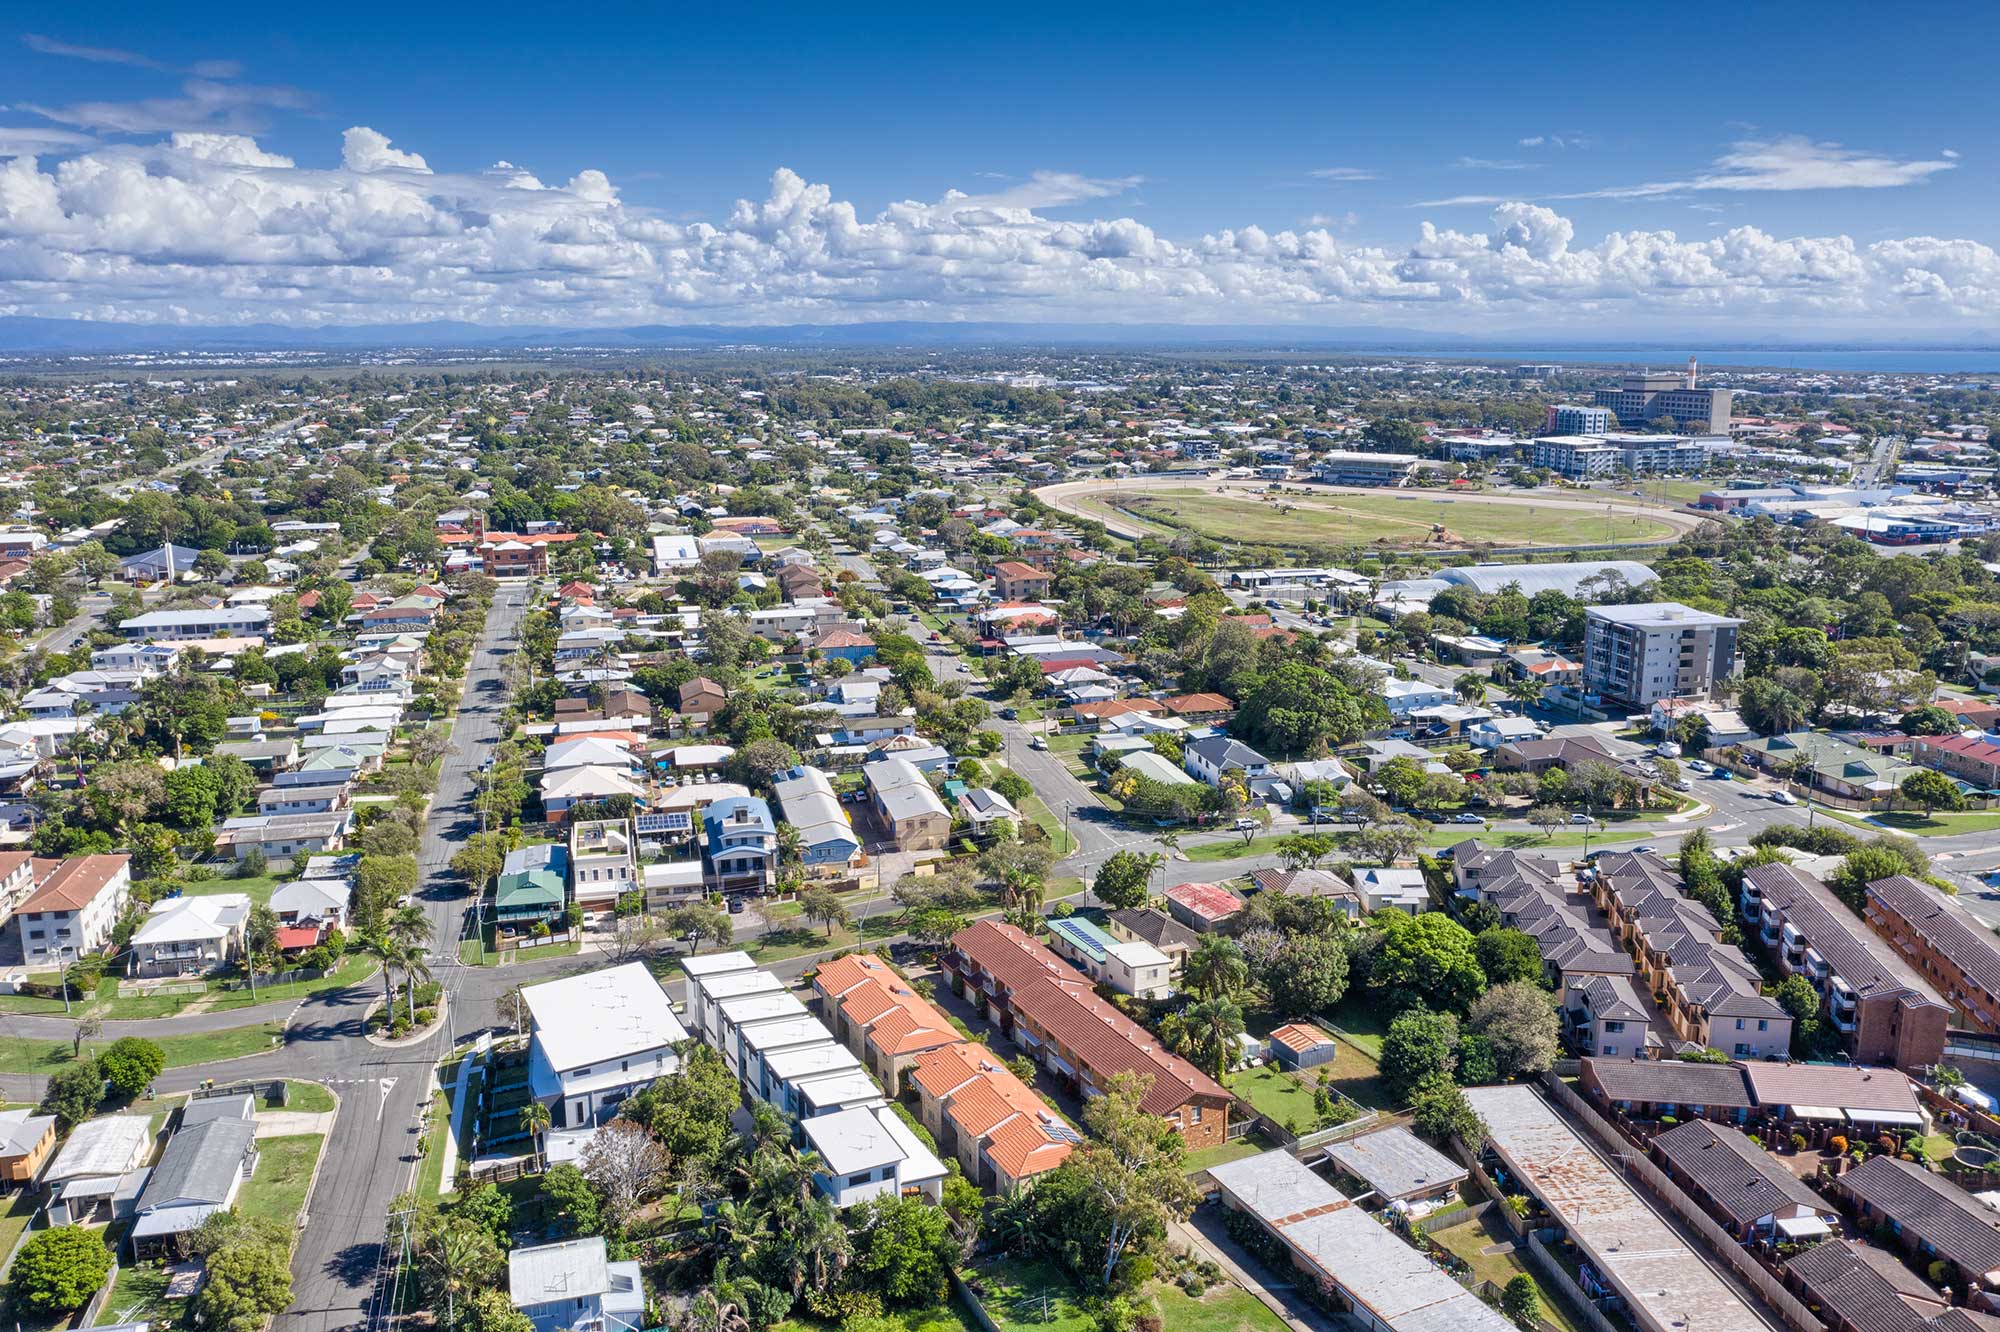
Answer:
(1977, 361)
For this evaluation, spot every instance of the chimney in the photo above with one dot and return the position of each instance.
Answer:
(1691, 370)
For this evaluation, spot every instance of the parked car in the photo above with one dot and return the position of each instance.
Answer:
(1245, 825)
(1579, 820)
(1645, 850)
(1472, 819)
(736, 905)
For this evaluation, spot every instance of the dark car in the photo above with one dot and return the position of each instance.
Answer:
(735, 906)
(1009, 714)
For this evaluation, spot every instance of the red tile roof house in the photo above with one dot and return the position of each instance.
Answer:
(1052, 1012)
(874, 1012)
(1015, 581)
(1970, 758)
(979, 1112)
(1202, 906)
(1199, 707)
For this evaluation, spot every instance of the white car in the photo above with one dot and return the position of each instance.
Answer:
(1784, 798)
(1698, 765)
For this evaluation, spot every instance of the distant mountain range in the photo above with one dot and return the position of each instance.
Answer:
(27, 335)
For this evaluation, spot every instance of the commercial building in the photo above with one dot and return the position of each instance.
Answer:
(1057, 1017)
(1885, 1012)
(1386, 1285)
(1634, 655)
(595, 1039)
(1342, 468)
(1956, 954)
(1646, 397)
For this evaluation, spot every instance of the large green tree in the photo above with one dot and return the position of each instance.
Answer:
(1427, 959)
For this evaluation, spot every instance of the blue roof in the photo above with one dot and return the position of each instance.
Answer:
(725, 812)
(1083, 935)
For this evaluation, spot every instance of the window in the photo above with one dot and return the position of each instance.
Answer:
(855, 1180)
(1763, 1024)
(1610, 1049)
(1739, 1024)
(1197, 1114)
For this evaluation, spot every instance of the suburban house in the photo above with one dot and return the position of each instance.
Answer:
(1015, 581)
(1156, 928)
(74, 908)
(198, 1174)
(1397, 1166)
(1856, 1287)
(1128, 966)
(1203, 906)
(1214, 757)
(1001, 1132)
(1926, 1216)
(574, 1285)
(828, 842)
(99, 1169)
(188, 935)
(595, 1039)
(533, 886)
(700, 700)
(284, 836)
(741, 842)
(189, 625)
(26, 1139)
(1972, 759)
(1057, 1017)
(909, 808)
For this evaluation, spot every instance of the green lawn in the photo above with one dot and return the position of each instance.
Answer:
(1234, 848)
(112, 1000)
(796, 940)
(309, 1098)
(15, 1220)
(260, 886)
(1913, 823)
(1361, 1024)
(1530, 839)
(430, 1171)
(277, 1191)
(19, 1054)
(1039, 814)
(139, 1296)
(1469, 1242)
(1278, 1095)
(1012, 1292)
(1251, 1145)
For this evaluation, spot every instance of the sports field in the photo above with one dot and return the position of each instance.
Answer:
(1397, 520)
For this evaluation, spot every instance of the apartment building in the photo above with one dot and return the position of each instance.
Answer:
(1016, 581)
(1970, 758)
(1570, 419)
(596, 1038)
(993, 1123)
(1885, 1012)
(189, 625)
(1635, 655)
(1707, 990)
(1583, 456)
(74, 908)
(1057, 1017)
(1648, 397)
(871, 1009)
(1956, 954)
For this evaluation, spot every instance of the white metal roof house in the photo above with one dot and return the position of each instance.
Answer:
(181, 935)
(598, 1038)
(574, 1285)
(867, 1152)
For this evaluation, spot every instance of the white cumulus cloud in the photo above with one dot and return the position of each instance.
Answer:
(207, 226)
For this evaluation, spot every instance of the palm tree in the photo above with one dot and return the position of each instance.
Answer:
(791, 846)
(415, 963)
(535, 1122)
(385, 951)
(1216, 969)
(1205, 1032)
(409, 925)
(822, 1246)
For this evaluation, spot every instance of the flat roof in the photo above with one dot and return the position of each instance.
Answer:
(1396, 1163)
(600, 1015)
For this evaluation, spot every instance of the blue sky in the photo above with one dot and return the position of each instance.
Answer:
(1456, 166)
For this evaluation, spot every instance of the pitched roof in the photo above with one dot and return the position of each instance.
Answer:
(1671, 1080)
(1155, 927)
(872, 996)
(1210, 901)
(200, 1164)
(1300, 1036)
(1051, 994)
(75, 883)
(1738, 1177)
(1841, 1086)
(1865, 1287)
(1942, 923)
(1960, 1227)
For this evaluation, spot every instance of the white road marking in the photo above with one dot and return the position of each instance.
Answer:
(387, 1085)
